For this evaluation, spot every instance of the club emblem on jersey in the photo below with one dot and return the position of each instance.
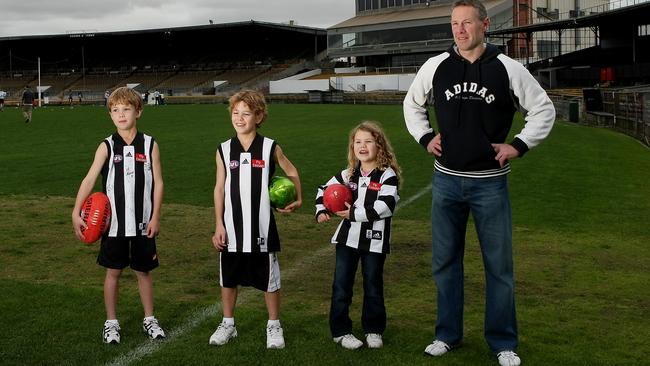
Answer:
(353, 186)
(260, 241)
(374, 186)
(258, 163)
(117, 159)
(142, 158)
(234, 164)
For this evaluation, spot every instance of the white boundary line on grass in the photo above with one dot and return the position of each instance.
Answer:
(201, 315)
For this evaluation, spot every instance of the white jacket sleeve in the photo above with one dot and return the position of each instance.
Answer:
(415, 102)
(540, 112)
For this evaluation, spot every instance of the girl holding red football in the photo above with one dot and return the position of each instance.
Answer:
(364, 233)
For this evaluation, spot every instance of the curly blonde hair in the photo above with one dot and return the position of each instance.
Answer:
(385, 154)
(253, 99)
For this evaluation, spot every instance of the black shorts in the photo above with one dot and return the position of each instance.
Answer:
(259, 270)
(137, 251)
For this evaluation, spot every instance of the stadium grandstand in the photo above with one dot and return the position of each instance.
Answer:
(179, 62)
(592, 55)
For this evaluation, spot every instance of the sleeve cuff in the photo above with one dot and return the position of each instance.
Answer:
(520, 146)
(424, 140)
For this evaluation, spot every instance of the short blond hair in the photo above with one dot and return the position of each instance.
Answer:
(253, 99)
(476, 4)
(124, 95)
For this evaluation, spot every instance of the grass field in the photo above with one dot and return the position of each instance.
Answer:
(581, 204)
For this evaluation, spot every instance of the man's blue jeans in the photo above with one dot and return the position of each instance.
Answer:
(487, 199)
(373, 313)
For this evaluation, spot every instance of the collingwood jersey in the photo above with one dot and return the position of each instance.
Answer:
(248, 218)
(127, 180)
(374, 200)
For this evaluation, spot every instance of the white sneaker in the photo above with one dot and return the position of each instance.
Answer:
(508, 358)
(374, 340)
(274, 337)
(223, 334)
(437, 348)
(153, 329)
(348, 341)
(111, 332)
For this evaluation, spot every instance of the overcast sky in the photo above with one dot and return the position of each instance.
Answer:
(31, 17)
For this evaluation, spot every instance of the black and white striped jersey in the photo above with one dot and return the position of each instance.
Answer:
(127, 180)
(374, 200)
(248, 218)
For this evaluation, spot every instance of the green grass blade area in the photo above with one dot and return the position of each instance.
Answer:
(580, 202)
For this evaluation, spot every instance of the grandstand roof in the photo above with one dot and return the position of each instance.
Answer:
(294, 28)
(429, 13)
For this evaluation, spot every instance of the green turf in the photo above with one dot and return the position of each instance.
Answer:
(581, 203)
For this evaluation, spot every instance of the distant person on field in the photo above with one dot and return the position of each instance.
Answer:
(80, 97)
(107, 94)
(364, 233)
(156, 97)
(476, 91)
(70, 98)
(27, 101)
(246, 235)
(3, 95)
(129, 162)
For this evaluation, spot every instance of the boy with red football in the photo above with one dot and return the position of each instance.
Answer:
(129, 162)
(246, 235)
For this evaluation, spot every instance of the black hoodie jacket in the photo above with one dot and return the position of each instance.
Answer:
(474, 107)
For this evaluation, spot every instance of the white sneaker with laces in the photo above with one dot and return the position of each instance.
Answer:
(111, 332)
(153, 329)
(437, 348)
(348, 341)
(374, 340)
(508, 358)
(223, 334)
(274, 337)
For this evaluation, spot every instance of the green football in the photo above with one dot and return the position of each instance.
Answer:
(282, 192)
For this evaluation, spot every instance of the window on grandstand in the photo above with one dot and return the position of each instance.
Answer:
(413, 34)
(547, 49)
(644, 30)
(546, 13)
(367, 5)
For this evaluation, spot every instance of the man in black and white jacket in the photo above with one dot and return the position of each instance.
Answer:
(475, 91)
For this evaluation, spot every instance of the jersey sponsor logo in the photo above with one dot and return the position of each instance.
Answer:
(373, 234)
(234, 164)
(128, 155)
(260, 241)
(258, 163)
(142, 158)
(374, 186)
(353, 186)
(469, 88)
(245, 161)
(117, 158)
(364, 185)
